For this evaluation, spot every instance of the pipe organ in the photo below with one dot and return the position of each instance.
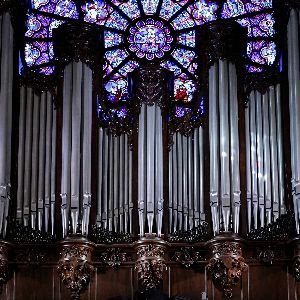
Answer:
(106, 194)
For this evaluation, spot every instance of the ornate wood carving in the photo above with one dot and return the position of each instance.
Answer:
(151, 84)
(227, 263)
(114, 257)
(100, 235)
(78, 41)
(196, 234)
(75, 265)
(20, 234)
(224, 39)
(150, 264)
(187, 256)
(282, 229)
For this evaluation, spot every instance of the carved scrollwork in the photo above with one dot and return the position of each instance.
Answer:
(114, 257)
(150, 266)
(261, 82)
(225, 39)
(151, 84)
(78, 41)
(187, 256)
(226, 265)
(196, 234)
(75, 268)
(280, 230)
(100, 235)
(4, 269)
(20, 234)
(296, 268)
(31, 257)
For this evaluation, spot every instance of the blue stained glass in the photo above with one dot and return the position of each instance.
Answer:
(116, 89)
(150, 39)
(170, 7)
(184, 20)
(263, 52)
(259, 25)
(115, 57)
(203, 11)
(187, 38)
(255, 69)
(116, 21)
(233, 8)
(46, 70)
(96, 12)
(182, 111)
(150, 6)
(171, 66)
(37, 53)
(129, 67)
(130, 8)
(65, 8)
(183, 56)
(112, 38)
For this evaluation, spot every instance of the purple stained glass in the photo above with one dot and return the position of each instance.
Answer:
(184, 89)
(183, 56)
(129, 7)
(262, 52)
(184, 20)
(203, 11)
(150, 39)
(182, 111)
(96, 12)
(112, 38)
(150, 6)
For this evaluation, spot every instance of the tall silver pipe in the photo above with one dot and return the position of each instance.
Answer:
(180, 180)
(66, 148)
(176, 180)
(190, 182)
(224, 142)
(53, 167)
(34, 159)
(248, 166)
(87, 104)
(48, 135)
(196, 175)
(126, 183)
(274, 153)
(116, 170)
(75, 142)
(28, 155)
(121, 182)
(234, 147)
(111, 186)
(201, 174)
(266, 155)
(171, 187)
(21, 160)
(214, 146)
(105, 177)
(100, 175)
(280, 151)
(184, 181)
(254, 158)
(260, 159)
(41, 169)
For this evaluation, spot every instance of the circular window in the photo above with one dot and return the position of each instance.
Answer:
(149, 39)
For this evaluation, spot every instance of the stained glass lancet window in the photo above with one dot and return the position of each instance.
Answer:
(153, 30)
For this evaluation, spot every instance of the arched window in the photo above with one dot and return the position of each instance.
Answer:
(150, 30)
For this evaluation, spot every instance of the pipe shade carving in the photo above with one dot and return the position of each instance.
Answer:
(75, 265)
(227, 263)
(150, 264)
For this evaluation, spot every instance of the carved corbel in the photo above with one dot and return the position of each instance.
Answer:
(75, 265)
(226, 264)
(4, 269)
(150, 264)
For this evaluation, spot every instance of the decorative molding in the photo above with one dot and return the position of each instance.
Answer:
(280, 230)
(224, 39)
(261, 82)
(78, 41)
(296, 268)
(32, 257)
(196, 234)
(187, 256)
(75, 266)
(150, 84)
(114, 257)
(150, 264)
(268, 255)
(20, 234)
(100, 235)
(4, 268)
(227, 264)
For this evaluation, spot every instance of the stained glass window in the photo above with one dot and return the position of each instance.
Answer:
(153, 30)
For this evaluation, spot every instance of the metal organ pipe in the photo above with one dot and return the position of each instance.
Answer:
(6, 60)
(266, 188)
(294, 92)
